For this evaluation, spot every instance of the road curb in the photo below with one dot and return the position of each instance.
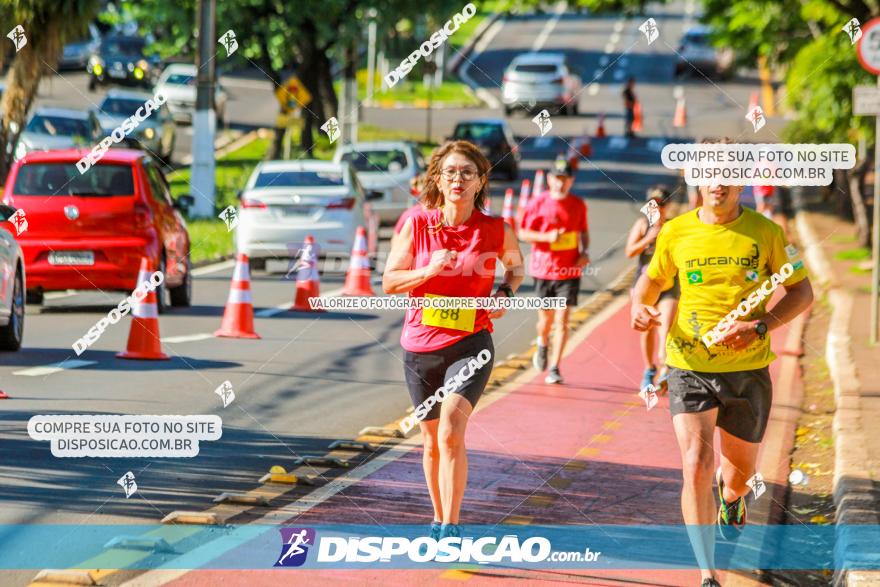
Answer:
(854, 499)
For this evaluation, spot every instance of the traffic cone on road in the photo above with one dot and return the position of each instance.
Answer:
(753, 101)
(637, 117)
(238, 317)
(357, 278)
(680, 118)
(507, 211)
(3, 395)
(523, 201)
(538, 188)
(600, 129)
(143, 338)
(307, 279)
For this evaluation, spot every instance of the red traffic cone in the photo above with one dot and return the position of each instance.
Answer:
(600, 129)
(238, 316)
(143, 338)
(3, 395)
(307, 279)
(507, 212)
(523, 200)
(753, 101)
(357, 278)
(538, 188)
(680, 119)
(637, 117)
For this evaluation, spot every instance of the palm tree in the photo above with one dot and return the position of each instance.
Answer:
(47, 25)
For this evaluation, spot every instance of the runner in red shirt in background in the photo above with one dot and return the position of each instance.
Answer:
(415, 190)
(556, 224)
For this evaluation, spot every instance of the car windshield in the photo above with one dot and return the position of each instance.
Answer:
(64, 179)
(479, 132)
(121, 106)
(181, 79)
(58, 126)
(536, 68)
(128, 47)
(392, 160)
(305, 179)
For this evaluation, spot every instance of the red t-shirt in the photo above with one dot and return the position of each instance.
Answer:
(556, 260)
(405, 216)
(479, 242)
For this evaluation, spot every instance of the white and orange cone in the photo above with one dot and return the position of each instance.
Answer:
(753, 101)
(238, 317)
(600, 129)
(307, 279)
(507, 212)
(680, 119)
(143, 338)
(538, 188)
(523, 200)
(357, 278)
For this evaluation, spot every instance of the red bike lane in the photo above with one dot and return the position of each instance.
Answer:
(584, 453)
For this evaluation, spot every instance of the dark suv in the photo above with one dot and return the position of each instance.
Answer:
(495, 139)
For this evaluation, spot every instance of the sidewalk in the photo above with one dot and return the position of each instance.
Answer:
(586, 452)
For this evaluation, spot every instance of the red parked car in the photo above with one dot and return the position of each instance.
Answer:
(89, 231)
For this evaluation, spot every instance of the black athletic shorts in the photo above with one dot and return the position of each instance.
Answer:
(559, 288)
(425, 373)
(743, 398)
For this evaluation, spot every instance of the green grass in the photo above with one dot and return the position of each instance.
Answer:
(843, 238)
(209, 237)
(412, 91)
(855, 254)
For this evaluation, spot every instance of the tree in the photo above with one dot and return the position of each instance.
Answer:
(47, 25)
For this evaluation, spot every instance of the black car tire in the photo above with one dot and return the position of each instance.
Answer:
(257, 264)
(12, 334)
(93, 83)
(181, 296)
(34, 296)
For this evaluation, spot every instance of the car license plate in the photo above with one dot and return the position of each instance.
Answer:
(116, 73)
(72, 258)
(296, 210)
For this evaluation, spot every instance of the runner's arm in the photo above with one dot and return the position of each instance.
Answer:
(514, 270)
(399, 277)
(638, 239)
(796, 299)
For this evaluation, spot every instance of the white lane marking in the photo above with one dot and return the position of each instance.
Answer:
(618, 26)
(53, 368)
(214, 267)
(187, 337)
(549, 26)
(615, 37)
(678, 92)
(593, 89)
(609, 48)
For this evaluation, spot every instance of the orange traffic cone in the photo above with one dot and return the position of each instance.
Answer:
(523, 200)
(238, 317)
(753, 101)
(143, 338)
(357, 278)
(600, 130)
(507, 211)
(3, 395)
(680, 118)
(307, 279)
(538, 188)
(637, 117)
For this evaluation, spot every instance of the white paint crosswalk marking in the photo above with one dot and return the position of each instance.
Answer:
(53, 368)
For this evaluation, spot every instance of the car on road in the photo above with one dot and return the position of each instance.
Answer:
(12, 284)
(495, 139)
(58, 128)
(178, 84)
(388, 167)
(89, 231)
(76, 53)
(696, 54)
(535, 81)
(122, 59)
(157, 134)
(284, 201)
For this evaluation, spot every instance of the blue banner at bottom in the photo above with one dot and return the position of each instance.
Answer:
(145, 547)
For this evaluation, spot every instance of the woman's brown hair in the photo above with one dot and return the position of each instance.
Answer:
(431, 196)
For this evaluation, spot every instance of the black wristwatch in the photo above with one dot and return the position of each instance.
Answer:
(761, 328)
(508, 291)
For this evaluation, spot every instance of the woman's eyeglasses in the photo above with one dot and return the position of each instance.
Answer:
(467, 173)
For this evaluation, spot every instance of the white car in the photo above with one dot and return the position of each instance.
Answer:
(695, 54)
(12, 284)
(178, 84)
(285, 201)
(387, 167)
(534, 81)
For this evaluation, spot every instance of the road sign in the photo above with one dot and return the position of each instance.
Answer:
(866, 100)
(868, 47)
(293, 95)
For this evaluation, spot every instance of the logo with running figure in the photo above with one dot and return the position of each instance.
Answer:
(695, 276)
(295, 543)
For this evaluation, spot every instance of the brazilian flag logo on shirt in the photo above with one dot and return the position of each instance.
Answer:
(695, 276)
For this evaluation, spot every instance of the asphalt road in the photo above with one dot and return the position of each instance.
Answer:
(311, 378)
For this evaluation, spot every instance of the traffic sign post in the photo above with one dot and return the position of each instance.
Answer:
(868, 51)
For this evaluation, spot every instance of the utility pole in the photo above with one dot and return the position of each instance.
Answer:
(204, 120)
(348, 107)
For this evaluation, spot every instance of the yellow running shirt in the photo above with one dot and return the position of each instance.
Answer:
(719, 266)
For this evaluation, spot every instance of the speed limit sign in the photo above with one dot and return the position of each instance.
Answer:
(868, 47)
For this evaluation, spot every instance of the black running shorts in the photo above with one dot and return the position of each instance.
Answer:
(448, 368)
(743, 398)
(559, 288)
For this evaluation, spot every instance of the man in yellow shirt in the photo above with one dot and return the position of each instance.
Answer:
(728, 259)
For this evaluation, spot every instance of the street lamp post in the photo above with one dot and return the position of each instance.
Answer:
(204, 120)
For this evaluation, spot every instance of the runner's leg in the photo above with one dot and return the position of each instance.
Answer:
(738, 458)
(545, 321)
(647, 340)
(560, 334)
(694, 433)
(454, 415)
(431, 463)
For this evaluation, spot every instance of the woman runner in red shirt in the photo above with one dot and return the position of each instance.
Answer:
(450, 249)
